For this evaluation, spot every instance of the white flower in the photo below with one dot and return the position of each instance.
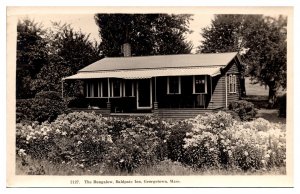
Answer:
(21, 152)
(246, 153)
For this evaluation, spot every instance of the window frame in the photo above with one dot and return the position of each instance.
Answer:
(194, 84)
(232, 79)
(168, 85)
(124, 88)
(90, 87)
(112, 82)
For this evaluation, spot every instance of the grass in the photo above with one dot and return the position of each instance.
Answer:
(271, 115)
(163, 168)
(255, 89)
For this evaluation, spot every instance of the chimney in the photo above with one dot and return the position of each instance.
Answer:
(126, 49)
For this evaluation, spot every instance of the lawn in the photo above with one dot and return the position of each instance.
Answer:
(255, 89)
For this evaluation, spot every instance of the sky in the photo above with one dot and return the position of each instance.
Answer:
(86, 24)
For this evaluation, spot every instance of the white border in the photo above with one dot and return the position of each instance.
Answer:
(5, 3)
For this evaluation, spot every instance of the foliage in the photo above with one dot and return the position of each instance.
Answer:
(44, 57)
(176, 142)
(49, 94)
(128, 145)
(250, 145)
(259, 39)
(31, 55)
(46, 106)
(245, 110)
(148, 34)
(224, 34)
(202, 144)
(79, 137)
(70, 51)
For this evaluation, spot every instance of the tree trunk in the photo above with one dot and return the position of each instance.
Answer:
(272, 95)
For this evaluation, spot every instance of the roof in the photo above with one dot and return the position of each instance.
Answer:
(156, 66)
(148, 73)
(161, 61)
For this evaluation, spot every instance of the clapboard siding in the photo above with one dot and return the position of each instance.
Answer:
(218, 94)
(219, 87)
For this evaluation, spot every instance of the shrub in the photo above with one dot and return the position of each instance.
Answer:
(176, 141)
(80, 137)
(46, 106)
(244, 109)
(49, 95)
(137, 141)
(208, 141)
(216, 140)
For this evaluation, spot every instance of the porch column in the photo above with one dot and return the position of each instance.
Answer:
(108, 104)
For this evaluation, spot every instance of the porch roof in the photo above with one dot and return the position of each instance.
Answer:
(148, 73)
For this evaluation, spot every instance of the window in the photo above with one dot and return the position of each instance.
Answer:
(128, 88)
(92, 89)
(96, 89)
(199, 84)
(116, 89)
(232, 83)
(104, 88)
(174, 85)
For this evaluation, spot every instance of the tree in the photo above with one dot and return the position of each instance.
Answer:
(259, 39)
(267, 52)
(70, 51)
(32, 55)
(148, 34)
(224, 35)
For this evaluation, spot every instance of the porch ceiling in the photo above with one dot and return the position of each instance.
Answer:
(144, 74)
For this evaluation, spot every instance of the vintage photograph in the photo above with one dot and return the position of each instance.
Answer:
(137, 94)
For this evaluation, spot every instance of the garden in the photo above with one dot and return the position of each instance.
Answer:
(80, 143)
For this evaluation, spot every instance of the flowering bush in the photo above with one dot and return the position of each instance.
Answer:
(244, 109)
(137, 141)
(85, 139)
(202, 144)
(214, 140)
(80, 137)
(217, 140)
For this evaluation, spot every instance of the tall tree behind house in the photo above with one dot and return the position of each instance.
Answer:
(148, 34)
(261, 41)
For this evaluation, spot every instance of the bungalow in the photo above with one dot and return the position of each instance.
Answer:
(171, 86)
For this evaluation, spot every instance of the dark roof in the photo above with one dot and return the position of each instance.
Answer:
(160, 61)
